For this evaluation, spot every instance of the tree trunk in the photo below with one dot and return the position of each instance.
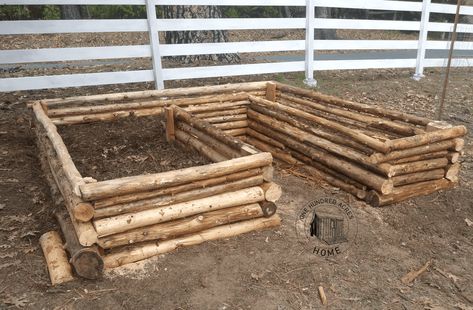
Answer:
(212, 36)
(71, 12)
(324, 34)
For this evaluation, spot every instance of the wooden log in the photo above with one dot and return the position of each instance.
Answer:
(209, 129)
(121, 223)
(416, 166)
(67, 165)
(170, 130)
(212, 107)
(433, 155)
(366, 108)
(225, 118)
(427, 138)
(270, 91)
(339, 139)
(231, 125)
(161, 201)
(211, 142)
(259, 87)
(417, 177)
(452, 172)
(437, 125)
(262, 137)
(233, 111)
(235, 132)
(265, 147)
(105, 117)
(354, 134)
(133, 184)
(453, 157)
(345, 167)
(84, 230)
(202, 148)
(408, 191)
(174, 190)
(272, 191)
(148, 104)
(419, 150)
(369, 120)
(188, 225)
(303, 136)
(146, 250)
(56, 258)
(87, 261)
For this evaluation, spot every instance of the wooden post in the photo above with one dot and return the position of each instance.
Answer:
(58, 265)
(271, 91)
(170, 131)
(421, 46)
(309, 43)
(154, 43)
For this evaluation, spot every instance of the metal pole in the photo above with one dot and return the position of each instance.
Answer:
(449, 62)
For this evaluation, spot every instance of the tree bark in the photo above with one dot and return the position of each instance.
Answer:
(182, 37)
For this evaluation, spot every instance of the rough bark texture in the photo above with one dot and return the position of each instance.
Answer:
(181, 37)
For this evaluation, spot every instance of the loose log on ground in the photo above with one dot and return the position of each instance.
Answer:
(417, 177)
(174, 190)
(87, 261)
(402, 193)
(346, 168)
(188, 225)
(427, 138)
(452, 172)
(420, 157)
(419, 150)
(133, 184)
(369, 120)
(416, 166)
(355, 134)
(161, 201)
(339, 139)
(121, 223)
(146, 250)
(422, 121)
(303, 136)
(56, 258)
(259, 87)
(201, 147)
(70, 170)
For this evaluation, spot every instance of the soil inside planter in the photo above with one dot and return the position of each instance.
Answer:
(125, 147)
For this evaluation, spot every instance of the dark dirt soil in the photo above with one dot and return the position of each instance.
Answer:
(125, 147)
(260, 270)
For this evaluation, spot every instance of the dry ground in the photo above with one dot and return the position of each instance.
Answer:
(268, 269)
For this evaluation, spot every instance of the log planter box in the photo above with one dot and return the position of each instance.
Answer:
(379, 155)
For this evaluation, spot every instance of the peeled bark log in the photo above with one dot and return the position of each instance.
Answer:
(146, 250)
(134, 184)
(56, 258)
(266, 139)
(439, 154)
(87, 261)
(121, 223)
(235, 132)
(231, 125)
(170, 130)
(416, 166)
(427, 138)
(174, 190)
(212, 107)
(408, 191)
(161, 201)
(233, 111)
(225, 118)
(422, 121)
(453, 157)
(188, 225)
(354, 134)
(417, 177)
(202, 148)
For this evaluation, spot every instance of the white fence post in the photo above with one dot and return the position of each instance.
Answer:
(154, 43)
(424, 30)
(309, 43)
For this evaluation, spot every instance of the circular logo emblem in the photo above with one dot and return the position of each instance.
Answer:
(326, 227)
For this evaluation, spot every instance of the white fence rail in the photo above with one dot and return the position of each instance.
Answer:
(156, 51)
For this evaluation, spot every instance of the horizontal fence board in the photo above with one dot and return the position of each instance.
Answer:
(73, 26)
(73, 54)
(450, 9)
(75, 80)
(72, 2)
(448, 27)
(371, 5)
(231, 70)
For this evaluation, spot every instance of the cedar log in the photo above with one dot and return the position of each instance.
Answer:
(56, 258)
(416, 177)
(427, 138)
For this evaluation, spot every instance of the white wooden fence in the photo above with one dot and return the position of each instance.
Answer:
(156, 51)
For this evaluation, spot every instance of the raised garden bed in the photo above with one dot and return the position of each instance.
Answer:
(378, 155)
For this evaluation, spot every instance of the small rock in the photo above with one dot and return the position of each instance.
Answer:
(468, 222)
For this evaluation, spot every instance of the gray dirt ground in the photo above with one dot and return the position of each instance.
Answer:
(268, 269)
